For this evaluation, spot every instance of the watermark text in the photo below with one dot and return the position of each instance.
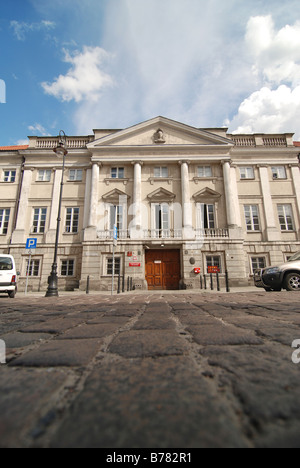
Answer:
(296, 354)
(2, 92)
(2, 352)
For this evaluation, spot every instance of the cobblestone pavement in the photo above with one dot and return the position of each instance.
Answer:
(150, 370)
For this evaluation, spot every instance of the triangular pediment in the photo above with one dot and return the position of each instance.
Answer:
(115, 197)
(161, 195)
(206, 195)
(161, 132)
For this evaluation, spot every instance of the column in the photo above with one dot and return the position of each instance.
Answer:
(136, 208)
(231, 196)
(19, 234)
(50, 235)
(90, 232)
(187, 218)
(272, 232)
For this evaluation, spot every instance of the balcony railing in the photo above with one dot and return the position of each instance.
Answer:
(153, 234)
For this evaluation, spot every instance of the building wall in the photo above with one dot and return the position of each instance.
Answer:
(91, 187)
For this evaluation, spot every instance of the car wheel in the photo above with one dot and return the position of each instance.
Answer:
(292, 282)
(12, 294)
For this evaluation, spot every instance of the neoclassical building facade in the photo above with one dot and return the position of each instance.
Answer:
(182, 199)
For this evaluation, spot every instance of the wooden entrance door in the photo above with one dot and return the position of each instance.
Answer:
(163, 269)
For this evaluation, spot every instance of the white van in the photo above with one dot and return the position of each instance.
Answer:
(8, 275)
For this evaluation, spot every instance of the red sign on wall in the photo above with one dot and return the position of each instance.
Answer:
(213, 269)
(134, 264)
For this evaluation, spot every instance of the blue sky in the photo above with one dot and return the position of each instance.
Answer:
(77, 65)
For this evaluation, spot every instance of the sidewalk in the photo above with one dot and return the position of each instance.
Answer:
(235, 290)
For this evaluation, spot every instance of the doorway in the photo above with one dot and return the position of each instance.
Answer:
(163, 269)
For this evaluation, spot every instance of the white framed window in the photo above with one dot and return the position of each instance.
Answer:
(72, 220)
(4, 220)
(161, 172)
(44, 175)
(39, 220)
(247, 173)
(213, 264)
(75, 175)
(252, 218)
(9, 175)
(67, 267)
(285, 216)
(204, 171)
(258, 263)
(116, 217)
(160, 222)
(109, 266)
(278, 172)
(117, 173)
(32, 269)
(206, 216)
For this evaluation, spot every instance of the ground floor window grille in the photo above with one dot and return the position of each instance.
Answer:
(213, 264)
(109, 266)
(258, 263)
(67, 267)
(32, 269)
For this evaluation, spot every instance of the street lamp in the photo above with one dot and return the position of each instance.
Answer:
(61, 152)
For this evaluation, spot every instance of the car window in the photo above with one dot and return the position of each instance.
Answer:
(295, 257)
(6, 264)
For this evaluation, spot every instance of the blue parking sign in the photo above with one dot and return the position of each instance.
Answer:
(31, 243)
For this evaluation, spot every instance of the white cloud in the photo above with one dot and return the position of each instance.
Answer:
(277, 54)
(269, 111)
(21, 29)
(170, 59)
(275, 106)
(38, 128)
(85, 79)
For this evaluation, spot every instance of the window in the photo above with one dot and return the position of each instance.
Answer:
(252, 218)
(33, 268)
(9, 175)
(72, 220)
(204, 171)
(67, 268)
(44, 175)
(4, 220)
(278, 172)
(247, 173)
(285, 215)
(109, 266)
(117, 173)
(205, 216)
(161, 172)
(213, 263)
(116, 217)
(75, 175)
(39, 220)
(160, 219)
(258, 263)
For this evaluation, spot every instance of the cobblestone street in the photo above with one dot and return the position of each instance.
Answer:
(159, 370)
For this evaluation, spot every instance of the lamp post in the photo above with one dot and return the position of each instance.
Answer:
(61, 152)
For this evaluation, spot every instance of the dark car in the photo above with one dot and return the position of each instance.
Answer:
(285, 276)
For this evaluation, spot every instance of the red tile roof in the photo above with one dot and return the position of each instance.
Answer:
(296, 143)
(13, 148)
